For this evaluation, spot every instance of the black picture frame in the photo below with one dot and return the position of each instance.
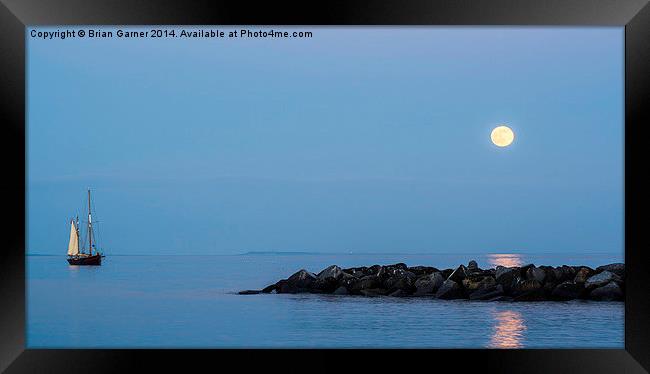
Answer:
(16, 15)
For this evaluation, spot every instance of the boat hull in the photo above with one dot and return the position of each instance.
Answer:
(94, 260)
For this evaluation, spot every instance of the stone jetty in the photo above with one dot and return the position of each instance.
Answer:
(520, 283)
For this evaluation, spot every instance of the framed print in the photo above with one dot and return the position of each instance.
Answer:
(437, 180)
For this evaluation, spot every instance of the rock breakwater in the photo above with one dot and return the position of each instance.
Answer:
(521, 283)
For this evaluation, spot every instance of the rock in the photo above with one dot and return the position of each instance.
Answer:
(249, 292)
(548, 288)
(404, 284)
(330, 279)
(487, 282)
(422, 270)
(346, 276)
(398, 293)
(374, 269)
(341, 291)
(524, 269)
(327, 279)
(489, 272)
(601, 279)
(389, 269)
(392, 270)
(549, 274)
(449, 290)
(524, 286)
(360, 273)
(582, 274)
(400, 279)
(567, 291)
(357, 272)
(302, 278)
(487, 293)
(333, 271)
(283, 287)
(373, 292)
(350, 283)
(473, 283)
(300, 281)
(502, 271)
(269, 289)
(459, 274)
(609, 292)
(564, 273)
(472, 266)
(537, 274)
(506, 277)
(428, 284)
(327, 285)
(369, 281)
(365, 283)
(617, 268)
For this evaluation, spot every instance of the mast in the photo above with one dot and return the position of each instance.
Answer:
(90, 228)
(76, 227)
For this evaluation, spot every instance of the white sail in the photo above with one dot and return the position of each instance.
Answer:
(73, 246)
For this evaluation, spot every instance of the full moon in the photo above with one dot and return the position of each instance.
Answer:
(502, 136)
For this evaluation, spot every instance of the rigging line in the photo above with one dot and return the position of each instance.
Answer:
(97, 236)
(96, 233)
(99, 239)
(85, 226)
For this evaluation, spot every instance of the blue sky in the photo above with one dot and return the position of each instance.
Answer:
(364, 139)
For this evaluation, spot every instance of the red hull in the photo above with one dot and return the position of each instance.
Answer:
(86, 260)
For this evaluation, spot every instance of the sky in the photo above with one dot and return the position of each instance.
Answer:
(362, 139)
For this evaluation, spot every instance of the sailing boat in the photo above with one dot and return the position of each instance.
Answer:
(82, 257)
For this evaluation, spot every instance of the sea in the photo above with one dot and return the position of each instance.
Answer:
(192, 302)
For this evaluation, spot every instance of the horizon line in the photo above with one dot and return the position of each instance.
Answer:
(340, 253)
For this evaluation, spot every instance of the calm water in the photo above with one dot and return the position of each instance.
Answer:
(188, 301)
